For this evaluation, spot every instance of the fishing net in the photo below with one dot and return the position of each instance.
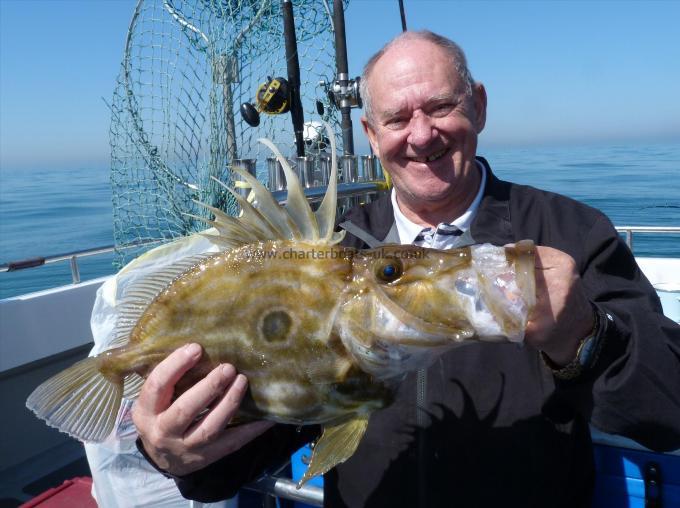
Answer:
(188, 65)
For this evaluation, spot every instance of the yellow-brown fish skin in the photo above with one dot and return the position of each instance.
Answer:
(320, 332)
(269, 309)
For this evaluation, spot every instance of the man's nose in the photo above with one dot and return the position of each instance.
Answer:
(422, 130)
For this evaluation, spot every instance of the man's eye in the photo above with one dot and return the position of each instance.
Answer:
(442, 109)
(395, 123)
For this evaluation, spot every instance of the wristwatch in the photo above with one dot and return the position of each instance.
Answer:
(586, 355)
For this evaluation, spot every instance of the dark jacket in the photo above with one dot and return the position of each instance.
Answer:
(494, 428)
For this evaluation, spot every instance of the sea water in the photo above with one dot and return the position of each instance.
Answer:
(44, 212)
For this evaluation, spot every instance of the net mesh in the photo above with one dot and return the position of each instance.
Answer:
(188, 65)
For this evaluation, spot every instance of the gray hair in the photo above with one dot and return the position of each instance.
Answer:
(452, 49)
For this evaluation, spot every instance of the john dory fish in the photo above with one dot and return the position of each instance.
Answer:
(323, 333)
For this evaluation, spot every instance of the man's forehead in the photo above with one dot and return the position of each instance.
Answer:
(413, 44)
(412, 60)
(415, 49)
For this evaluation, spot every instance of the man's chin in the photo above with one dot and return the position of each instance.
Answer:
(432, 194)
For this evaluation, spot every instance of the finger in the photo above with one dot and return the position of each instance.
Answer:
(216, 420)
(183, 411)
(544, 257)
(547, 258)
(234, 438)
(158, 389)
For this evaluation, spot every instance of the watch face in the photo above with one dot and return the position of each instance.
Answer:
(585, 354)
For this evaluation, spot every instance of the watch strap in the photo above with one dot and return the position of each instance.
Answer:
(587, 354)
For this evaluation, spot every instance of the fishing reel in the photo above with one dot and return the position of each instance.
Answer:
(342, 93)
(272, 98)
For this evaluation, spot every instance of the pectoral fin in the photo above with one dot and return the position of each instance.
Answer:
(336, 445)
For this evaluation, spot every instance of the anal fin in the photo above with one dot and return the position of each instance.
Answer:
(336, 445)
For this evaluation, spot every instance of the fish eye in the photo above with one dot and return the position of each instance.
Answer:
(389, 270)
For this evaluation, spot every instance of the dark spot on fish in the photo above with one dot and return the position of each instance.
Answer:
(276, 326)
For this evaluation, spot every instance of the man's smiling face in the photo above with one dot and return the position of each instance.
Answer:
(424, 125)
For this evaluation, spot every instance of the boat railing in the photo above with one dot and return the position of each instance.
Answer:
(72, 257)
(629, 230)
(75, 255)
(346, 193)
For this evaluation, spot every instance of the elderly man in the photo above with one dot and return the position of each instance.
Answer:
(487, 424)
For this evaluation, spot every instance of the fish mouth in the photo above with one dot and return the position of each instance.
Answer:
(408, 329)
(393, 341)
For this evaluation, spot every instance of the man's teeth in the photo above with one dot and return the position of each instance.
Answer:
(429, 158)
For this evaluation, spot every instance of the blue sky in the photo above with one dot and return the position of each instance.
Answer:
(556, 72)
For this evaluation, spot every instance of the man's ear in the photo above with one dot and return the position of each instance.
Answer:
(479, 99)
(370, 134)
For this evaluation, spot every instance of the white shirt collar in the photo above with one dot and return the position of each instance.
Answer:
(408, 231)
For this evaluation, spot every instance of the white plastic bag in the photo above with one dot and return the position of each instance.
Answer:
(122, 477)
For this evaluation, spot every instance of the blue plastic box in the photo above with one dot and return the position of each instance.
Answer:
(629, 478)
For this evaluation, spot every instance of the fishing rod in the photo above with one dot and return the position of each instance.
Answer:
(345, 90)
(293, 67)
(403, 15)
(280, 95)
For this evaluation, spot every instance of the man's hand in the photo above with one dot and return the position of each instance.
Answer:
(172, 437)
(562, 315)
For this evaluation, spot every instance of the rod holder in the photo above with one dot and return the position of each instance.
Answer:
(369, 168)
(348, 166)
(323, 168)
(305, 167)
(277, 180)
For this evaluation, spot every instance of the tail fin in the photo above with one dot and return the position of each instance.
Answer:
(79, 401)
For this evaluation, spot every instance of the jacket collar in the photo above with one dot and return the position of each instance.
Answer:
(492, 222)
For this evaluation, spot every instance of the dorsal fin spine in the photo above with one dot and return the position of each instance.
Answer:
(296, 204)
(265, 219)
(268, 206)
(253, 216)
(233, 227)
(325, 214)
